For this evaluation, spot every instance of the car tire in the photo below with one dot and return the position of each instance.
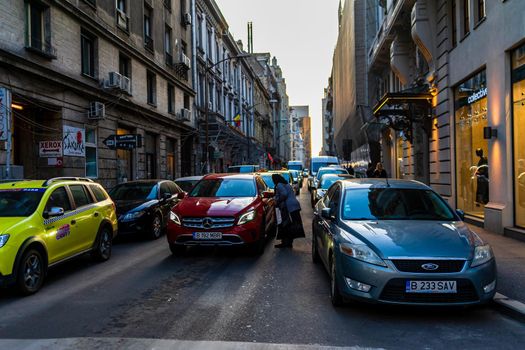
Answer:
(103, 245)
(156, 227)
(31, 272)
(335, 296)
(315, 253)
(177, 249)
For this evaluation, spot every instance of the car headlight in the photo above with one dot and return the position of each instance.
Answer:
(132, 216)
(3, 239)
(361, 252)
(175, 218)
(482, 254)
(246, 217)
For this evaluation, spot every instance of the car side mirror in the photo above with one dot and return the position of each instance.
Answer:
(326, 213)
(461, 214)
(268, 194)
(53, 212)
(166, 196)
(181, 195)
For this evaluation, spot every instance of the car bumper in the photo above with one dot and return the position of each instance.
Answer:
(232, 236)
(136, 226)
(388, 284)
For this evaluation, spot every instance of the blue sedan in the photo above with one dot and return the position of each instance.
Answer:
(399, 242)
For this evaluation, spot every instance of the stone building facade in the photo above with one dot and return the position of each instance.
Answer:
(80, 71)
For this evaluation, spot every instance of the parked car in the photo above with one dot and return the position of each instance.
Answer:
(316, 163)
(324, 184)
(399, 242)
(322, 171)
(143, 206)
(223, 210)
(243, 169)
(297, 180)
(187, 183)
(43, 223)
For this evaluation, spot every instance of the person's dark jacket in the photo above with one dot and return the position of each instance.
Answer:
(284, 195)
(380, 174)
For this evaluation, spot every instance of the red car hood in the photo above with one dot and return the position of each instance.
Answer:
(212, 206)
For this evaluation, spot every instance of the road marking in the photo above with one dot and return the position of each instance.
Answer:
(157, 344)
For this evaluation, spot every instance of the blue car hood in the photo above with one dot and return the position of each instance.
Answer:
(414, 238)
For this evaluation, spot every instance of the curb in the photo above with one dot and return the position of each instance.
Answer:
(510, 307)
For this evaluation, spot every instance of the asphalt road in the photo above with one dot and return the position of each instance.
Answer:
(227, 295)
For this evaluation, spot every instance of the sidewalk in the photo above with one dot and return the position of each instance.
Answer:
(510, 259)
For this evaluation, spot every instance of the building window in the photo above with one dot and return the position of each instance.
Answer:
(121, 6)
(472, 172)
(480, 10)
(171, 99)
(148, 37)
(87, 45)
(150, 146)
(518, 92)
(465, 17)
(38, 34)
(183, 12)
(124, 160)
(167, 46)
(121, 15)
(151, 85)
(171, 160)
(453, 24)
(167, 4)
(124, 64)
(91, 153)
(186, 101)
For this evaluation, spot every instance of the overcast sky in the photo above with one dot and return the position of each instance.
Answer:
(302, 35)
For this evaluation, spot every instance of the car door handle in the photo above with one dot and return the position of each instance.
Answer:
(95, 215)
(73, 222)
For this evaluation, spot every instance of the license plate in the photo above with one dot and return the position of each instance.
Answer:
(431, 287)
(207, 235)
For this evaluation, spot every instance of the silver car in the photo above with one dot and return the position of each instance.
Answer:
(399, 242)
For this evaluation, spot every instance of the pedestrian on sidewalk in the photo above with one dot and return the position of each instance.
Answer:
(380, 172)
(291, 226)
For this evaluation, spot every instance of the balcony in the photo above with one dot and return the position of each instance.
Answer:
(396, 20)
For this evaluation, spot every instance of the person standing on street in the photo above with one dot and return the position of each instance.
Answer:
(380, 172)
(292, 224)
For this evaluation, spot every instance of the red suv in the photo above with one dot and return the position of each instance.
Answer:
(223, 210)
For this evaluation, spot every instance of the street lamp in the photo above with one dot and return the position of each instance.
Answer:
(206, 103)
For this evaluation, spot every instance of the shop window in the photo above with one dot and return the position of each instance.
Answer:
(171, 165)
(518, 92)
(91, 153)
(151, 86)
(472, 172)
(87, 45)
(150, 146)
(38, 29)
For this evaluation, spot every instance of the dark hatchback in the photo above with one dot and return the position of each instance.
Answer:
(143, 206)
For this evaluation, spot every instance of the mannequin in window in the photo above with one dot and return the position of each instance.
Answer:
(482, 174)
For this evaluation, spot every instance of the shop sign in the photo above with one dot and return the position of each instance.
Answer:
(73, 141)
(128, 141)
(5, 107)
(478, 95)
(49, 149)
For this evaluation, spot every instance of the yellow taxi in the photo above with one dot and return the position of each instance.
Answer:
(43, 223)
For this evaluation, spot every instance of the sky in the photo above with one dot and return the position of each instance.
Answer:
(302, 35)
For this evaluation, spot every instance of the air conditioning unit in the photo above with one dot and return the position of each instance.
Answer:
(115, 80)
(97, 110)
(125, 85)
(185, 114)
(185, 60)
(122, 19)
(187, 18)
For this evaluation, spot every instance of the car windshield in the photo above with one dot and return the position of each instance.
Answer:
(224, 188)
(395, 204)
(331, 171)
(20, 202)
(186, 185)
(134, 192)
(327, 181)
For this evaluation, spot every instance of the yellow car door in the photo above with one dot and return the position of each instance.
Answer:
(87, 217)
(57, 217)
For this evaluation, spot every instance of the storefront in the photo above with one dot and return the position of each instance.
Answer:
(518, 93)
(472, 172)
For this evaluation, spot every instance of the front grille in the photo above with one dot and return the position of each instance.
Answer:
(395, 291)
(213, 222)
(226, 240)
(444, 266)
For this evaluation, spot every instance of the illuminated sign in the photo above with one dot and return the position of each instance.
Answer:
(478, 95)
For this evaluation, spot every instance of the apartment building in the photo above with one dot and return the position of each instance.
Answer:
(98, 88)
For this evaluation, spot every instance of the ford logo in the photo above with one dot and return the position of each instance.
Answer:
(430, 267)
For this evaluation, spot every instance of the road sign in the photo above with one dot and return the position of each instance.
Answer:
(50, 149)
(128, 141)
